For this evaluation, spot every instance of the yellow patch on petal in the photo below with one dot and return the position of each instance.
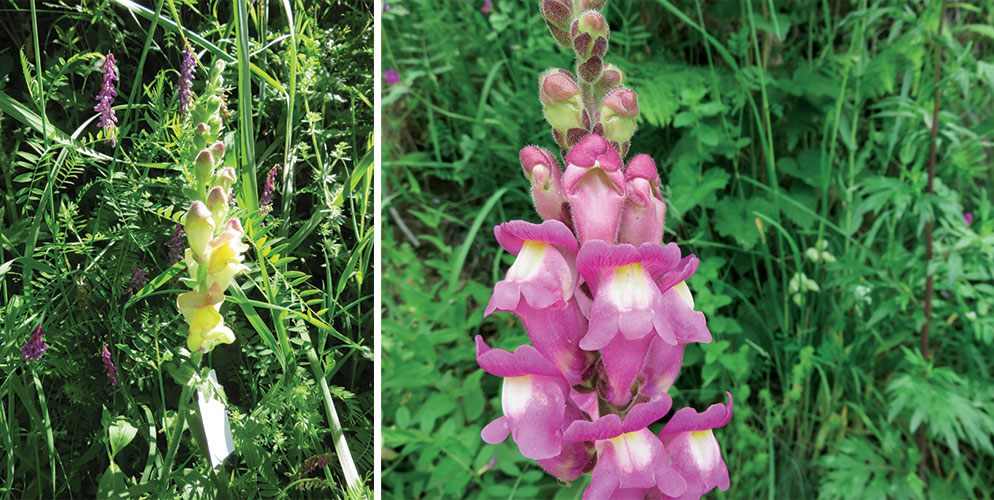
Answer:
(632, 451)
(629, 288)
(683, 291)
(529, 260)
(704, 448)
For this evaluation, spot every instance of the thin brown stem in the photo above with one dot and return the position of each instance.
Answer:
(930, 224)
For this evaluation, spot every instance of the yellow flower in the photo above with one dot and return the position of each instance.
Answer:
(223, 257)
(200, 310)
(199, 225)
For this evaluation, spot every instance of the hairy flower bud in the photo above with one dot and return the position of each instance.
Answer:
(590, 33)
(226, 178)
(217, 151)
(562, 104)
(203, 168)
(619, 113)
(542, 171)
(199, 226)
(594, 186)
(557, 15)
(592, 4)
(611, 77)
(217, 203)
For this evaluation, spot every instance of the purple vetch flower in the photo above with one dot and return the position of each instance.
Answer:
(186, 79)
(391, 76)
(109, 369)
(35, 347)
(108, 119)
(386, 7)
(139, 278)
(176, 244)
(488, 5)
(314, 463)
(968, 219)
(266, 202)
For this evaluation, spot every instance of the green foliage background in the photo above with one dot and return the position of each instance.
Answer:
(792, 139)
(77, 216)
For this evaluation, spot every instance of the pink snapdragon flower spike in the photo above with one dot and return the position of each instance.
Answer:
(595, 189)
(545, 176)
(631, 461)
(533, 399)
(696, 454)
(645, 211)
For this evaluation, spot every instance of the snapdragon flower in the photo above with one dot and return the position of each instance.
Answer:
(604, 301)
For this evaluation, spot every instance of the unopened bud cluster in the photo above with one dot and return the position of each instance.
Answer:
(591, 99)
(604, 302)
(215, 250)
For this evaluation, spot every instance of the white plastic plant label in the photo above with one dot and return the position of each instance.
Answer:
(214, 416)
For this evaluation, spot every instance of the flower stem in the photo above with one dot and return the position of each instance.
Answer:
(177, 433)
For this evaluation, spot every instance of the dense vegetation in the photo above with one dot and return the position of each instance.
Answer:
(88, 233)
(794, 144)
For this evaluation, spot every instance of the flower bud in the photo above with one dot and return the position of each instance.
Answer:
(217, 203)
(201, 134)
(557, 15)
(203, 168)
(225, 178)
(592, 4)
(199, 226)
(619, 111)
(590, 33)
(542, 170)
(562, 103)
(642, 221)
(611, 77)
(217, 150)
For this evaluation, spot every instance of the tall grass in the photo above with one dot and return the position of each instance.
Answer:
(78, 216)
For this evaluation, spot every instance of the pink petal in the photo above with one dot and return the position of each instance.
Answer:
(594, 186)
(556, 334)
(681, 272)
(661, 367)
(525, 360)
(643, 219)
(597, 259)
(622, 360)
(641, 415)
(688, 420)
(497, 431)
(512, 235)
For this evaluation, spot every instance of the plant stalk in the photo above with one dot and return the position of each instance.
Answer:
(174, 437)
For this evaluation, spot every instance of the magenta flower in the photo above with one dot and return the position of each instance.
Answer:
(968, 219)
(391, 76)
(631, 461)
(534, 400)
(595, 188)
(543, 172)
(696, 454)
(488, 5)
(109, 369)
(539, 290)
(645, 211)
(108, 119)
(186, 80)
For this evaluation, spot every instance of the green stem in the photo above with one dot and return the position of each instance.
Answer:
(341, 444)
(174, 437)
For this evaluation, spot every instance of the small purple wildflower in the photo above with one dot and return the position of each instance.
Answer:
(266, 203)
(391, 76)
(186, 80)
(968, 219)
(386, 7)
(109, 369)
(176, 245)
(488, 5)
(139, 278)
(108, 119)
(35, 347)
(314, 463)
